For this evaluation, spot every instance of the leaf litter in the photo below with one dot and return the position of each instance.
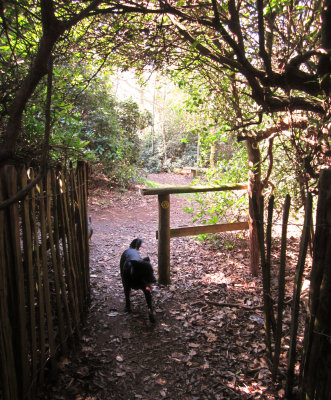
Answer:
(208, 339)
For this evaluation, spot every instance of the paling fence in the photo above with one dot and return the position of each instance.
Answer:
(314, 377)
(44, 274)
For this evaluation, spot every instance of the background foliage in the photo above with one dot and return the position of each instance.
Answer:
(240, 67)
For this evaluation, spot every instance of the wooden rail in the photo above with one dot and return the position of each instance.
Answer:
(192, 189)
(164, 233)
(203, 229)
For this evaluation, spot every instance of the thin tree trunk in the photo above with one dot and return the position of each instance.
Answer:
(254, 186)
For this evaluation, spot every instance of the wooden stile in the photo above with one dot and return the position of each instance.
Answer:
(164, 233)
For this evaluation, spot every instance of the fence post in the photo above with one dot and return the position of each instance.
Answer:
(316, 380)
(164, 239)
(8, 376)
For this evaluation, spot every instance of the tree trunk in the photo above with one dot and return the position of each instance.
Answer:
(316, 378)
(39, 68)
(254, 186)
(52, 30)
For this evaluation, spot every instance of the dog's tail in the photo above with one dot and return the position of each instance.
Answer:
(136, 243)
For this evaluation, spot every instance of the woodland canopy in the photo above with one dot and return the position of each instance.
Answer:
(259, 72)
(276, 52)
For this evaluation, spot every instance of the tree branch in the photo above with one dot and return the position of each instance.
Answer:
(201, 48)
(23, 192)
(216, 13)
(278, 128)
(234, 25)
(271, 163)
(262, 51)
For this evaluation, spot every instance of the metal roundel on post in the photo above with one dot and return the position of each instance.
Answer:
(165, 204)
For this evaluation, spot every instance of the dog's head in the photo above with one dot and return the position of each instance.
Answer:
(142, 271)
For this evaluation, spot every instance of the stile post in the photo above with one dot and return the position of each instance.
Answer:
(164, 233)
(164, 239)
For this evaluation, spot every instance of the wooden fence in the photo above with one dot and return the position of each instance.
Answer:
(314, 381)
(44, 275)
(165, 233)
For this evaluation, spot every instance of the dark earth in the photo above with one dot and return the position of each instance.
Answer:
(208, 339)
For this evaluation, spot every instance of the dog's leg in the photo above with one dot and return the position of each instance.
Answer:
(127, 291)
(148, 296)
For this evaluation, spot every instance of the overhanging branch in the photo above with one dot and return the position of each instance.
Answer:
(23, 192)
(276, 129)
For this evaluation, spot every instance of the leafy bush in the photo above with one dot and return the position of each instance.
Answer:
(229, 206)
(88, 123)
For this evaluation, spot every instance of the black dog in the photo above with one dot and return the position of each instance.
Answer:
(137, 273)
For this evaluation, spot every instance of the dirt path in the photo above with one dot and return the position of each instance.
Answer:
(201, 347)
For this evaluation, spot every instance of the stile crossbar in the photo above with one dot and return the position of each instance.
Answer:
(165, 233)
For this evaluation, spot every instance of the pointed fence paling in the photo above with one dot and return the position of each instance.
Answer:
(44, 274)
(314, 379)
(273, 316)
